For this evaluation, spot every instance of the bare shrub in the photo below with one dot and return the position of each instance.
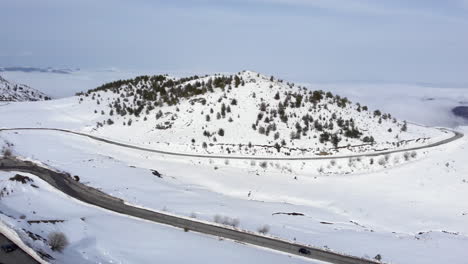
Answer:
(235, 222)
(263, 164)
(57, 241)
(387, 157)
(407, 156)
(382, 161)
(225, 220)
(333, 162)
(413, 154)
(7, 152)
(263, 229)
(217, 219)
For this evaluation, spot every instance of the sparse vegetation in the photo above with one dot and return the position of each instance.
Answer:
(7, 152)
(225, 220)
(263, 164)
(264, 229)
(57, 241)
(382, 161)
(286, 117)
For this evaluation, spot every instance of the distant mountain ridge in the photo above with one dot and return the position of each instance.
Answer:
(35, 69)
(13, 92)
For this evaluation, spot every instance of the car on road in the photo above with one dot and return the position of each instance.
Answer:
(304, 251)
(156, 173)
(9, 248)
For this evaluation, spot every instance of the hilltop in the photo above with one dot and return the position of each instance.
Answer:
(245, 113)
(10, 91)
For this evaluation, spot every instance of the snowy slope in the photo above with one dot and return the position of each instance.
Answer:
(99, 236)
(18, 92)
(414, 212)
(243, 114)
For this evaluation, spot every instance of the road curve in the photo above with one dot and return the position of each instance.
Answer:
(457, 135)
(65, 183)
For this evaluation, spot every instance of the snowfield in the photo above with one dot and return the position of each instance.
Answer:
(407, 207)
(412, 213)
(99, 236)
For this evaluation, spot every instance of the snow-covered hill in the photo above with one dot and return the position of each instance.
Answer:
(19, 92)
(243, 114)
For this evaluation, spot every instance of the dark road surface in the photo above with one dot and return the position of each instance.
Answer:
(17, 256)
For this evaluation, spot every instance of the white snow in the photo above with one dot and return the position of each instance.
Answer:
(371, 213)
(409, 210)
(99, 236)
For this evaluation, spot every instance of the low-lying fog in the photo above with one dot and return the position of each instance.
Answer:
(430, 106)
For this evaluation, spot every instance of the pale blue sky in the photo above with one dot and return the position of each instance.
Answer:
(417, 41)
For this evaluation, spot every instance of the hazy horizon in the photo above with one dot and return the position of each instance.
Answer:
(309, 41)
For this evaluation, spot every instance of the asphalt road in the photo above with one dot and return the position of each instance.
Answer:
(456, 135)
(15, 257)
(65, 183)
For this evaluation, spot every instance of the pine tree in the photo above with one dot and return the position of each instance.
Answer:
(404, 128)
(221, 132)
(277, 96)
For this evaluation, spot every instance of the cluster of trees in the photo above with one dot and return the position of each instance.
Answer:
(306, 122)
(145, 93)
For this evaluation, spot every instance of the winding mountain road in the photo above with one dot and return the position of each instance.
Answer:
(66, 184)
(456, 135)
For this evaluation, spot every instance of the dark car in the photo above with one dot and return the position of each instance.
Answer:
(9, 248)
(304, 251)
(156, 173)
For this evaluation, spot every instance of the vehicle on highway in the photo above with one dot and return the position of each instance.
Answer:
(9, 248)
(304, 251)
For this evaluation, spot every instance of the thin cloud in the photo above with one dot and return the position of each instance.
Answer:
(361, 7)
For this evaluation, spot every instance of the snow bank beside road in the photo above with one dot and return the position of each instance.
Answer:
(11, 234)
